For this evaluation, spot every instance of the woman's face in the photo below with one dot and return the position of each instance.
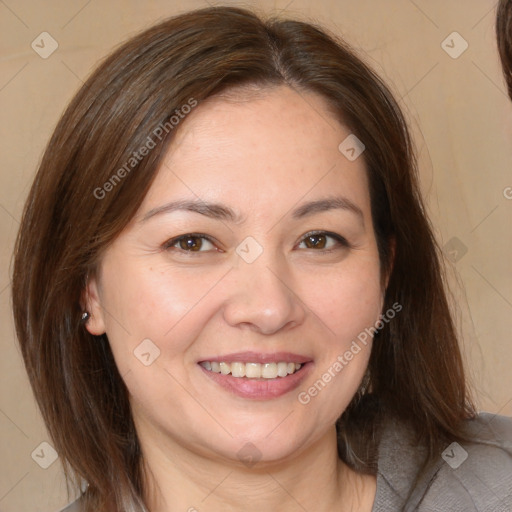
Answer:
(251, 185)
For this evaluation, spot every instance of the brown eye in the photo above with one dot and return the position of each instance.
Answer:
(323, 241)
(315, 241)
(190, 243)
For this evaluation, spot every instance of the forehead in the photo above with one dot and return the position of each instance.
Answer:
(280, 119)
(254, 147)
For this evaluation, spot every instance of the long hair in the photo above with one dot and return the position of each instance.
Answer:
(504, 35)
(415, 370)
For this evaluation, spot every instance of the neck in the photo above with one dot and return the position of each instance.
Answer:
(178, 479)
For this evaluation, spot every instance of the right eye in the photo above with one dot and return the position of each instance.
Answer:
(191, 242)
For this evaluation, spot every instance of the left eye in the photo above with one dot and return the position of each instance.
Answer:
(322, 241)
(191, 243)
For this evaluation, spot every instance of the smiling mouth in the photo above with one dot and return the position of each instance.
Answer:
(252, 370)
(255, 375)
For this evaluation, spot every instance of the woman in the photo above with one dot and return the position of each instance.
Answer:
(208, 342)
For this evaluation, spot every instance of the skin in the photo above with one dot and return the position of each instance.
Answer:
(263, 156)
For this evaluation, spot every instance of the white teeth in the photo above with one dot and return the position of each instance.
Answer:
(225, 368)
(238, 369)
(282, 369)
(269, 370)
(253, 370)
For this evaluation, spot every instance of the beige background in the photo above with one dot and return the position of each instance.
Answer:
(458, 110)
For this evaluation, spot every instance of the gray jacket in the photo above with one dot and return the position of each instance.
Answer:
(472, 477)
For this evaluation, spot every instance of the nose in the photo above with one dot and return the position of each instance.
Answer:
(262, 297)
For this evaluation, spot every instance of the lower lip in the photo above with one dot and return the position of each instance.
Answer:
(260, 389)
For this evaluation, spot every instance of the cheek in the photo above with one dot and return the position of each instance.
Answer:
(347, 304)
(165, 304)
(346, 301)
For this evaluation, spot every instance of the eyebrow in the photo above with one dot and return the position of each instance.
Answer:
(224, 213)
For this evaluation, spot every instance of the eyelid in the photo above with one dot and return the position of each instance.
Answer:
(340, 239)
(173, 241)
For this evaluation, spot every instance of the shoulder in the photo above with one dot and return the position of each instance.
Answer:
(479, 473)
(470, 477)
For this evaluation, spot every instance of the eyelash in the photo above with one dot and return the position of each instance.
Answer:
(342, 242)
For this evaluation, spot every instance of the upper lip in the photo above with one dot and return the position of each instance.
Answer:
(259, 357)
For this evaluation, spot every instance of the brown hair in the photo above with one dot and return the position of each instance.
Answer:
(415, 370)
(504, 34)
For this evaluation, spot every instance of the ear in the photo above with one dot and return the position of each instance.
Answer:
(91, 301)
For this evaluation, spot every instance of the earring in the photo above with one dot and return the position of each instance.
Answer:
(85, 316)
